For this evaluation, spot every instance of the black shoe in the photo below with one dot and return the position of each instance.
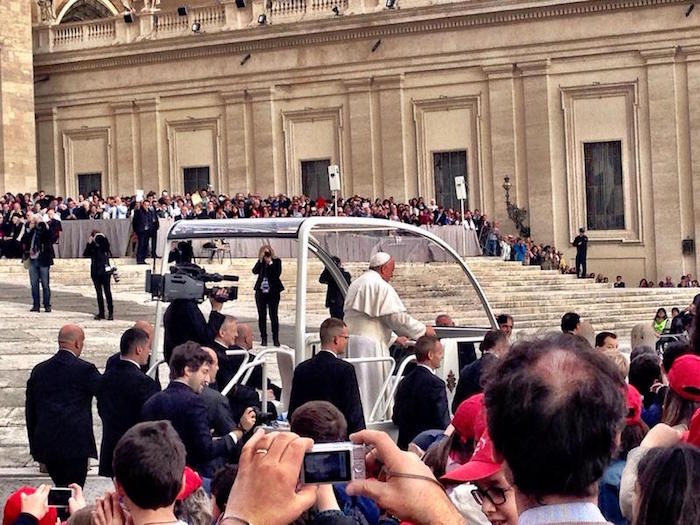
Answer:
(34, 309)
(97, 317)
(277, 343)
(47, 309)
(141, 262)
(263, 341)
(110, 317)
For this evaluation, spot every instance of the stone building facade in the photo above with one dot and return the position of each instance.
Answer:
(586, 105)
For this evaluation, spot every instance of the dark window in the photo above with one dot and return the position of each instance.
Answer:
(196, 178)
(446, 166)
(605, 208)
(314, 178)
(86, 10)
(89, 183)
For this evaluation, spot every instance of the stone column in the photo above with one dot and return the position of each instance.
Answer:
(148, 166)
(665, 166)
(124, 148)
(238, 168)
(503, 140)
(18, 168)
(359, 175)
(47, 154)
(538, 115)
(260, 110)
(392, 179)
(693, 79)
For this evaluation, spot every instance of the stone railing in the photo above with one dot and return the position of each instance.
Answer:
(221, 15)
(96, 33)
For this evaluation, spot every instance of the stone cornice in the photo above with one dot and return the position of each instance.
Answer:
(444, 17)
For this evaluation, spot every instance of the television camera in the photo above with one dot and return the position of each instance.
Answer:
(188, 281)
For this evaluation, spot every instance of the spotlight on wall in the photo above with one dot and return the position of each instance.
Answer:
(196, 27)
(262, 19)
(128, 17)
(376, 45)
(336, 10)
(390, 4)
(240, 4)
(182, 10)
(690, 9)
(245, 59)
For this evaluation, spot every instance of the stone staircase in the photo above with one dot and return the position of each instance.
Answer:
(536, 299)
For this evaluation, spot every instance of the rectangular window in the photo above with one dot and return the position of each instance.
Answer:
(196, 178)
(89, 183)
(446, 166)
(314, 178)
(605, 209)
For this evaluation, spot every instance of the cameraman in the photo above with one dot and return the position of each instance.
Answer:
(184, 321)
(100, 272)
(268, 288)
(38, 251)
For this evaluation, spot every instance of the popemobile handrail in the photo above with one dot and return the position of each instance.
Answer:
(385, 384)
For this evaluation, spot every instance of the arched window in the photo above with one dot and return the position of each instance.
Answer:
(83, 10)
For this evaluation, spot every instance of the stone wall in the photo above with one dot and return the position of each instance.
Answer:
(17, 141)
(520, 88)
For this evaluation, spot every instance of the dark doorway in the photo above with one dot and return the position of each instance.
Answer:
(89, 183)
(314, 178)
(196, 178)
(446, 166)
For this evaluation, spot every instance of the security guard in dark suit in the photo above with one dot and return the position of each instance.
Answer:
(123, 391)
(421, 399)
(59, 410)
(334, 296)
(326, 377)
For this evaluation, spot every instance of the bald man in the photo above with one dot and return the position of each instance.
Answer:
(59, 410)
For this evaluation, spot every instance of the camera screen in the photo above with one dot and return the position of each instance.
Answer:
(58, 497)
(323, 467)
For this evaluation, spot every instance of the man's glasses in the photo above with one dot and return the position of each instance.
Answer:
(495, 495)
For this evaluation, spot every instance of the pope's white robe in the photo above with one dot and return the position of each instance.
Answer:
(374, 310)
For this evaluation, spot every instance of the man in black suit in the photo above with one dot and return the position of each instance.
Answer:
(326, 377)
(183, 321)
(144, 223)
(59, 410)
(334, 296)
(123, 391)
(421, 399)
(225, 339)
(181, 404)
(494, 346)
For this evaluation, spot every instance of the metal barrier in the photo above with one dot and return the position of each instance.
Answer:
(247, 369)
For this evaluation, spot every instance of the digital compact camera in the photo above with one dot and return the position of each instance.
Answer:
(333, 463)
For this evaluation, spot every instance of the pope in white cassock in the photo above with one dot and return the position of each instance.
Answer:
(374, 310)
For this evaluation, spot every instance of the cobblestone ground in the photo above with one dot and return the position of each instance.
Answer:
(27, 338)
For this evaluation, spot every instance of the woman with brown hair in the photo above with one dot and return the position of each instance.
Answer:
(268, 288)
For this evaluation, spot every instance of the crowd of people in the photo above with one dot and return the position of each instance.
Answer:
(551, 429)
(206, 204)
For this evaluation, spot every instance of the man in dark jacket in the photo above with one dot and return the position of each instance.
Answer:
(326, 377)
(59, 410)
(123, 391)
(145, 223)
(494, 345)
(181, 404)
(334, 295)
(38, 248)
(421, 399)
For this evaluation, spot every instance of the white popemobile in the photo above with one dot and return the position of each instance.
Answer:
(353, 240)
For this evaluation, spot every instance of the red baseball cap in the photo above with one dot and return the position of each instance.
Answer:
(480, 466)
(469, 420)
(634, 406)
(684, 377)
(692, 435)
(192, 482)
(13, 508)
